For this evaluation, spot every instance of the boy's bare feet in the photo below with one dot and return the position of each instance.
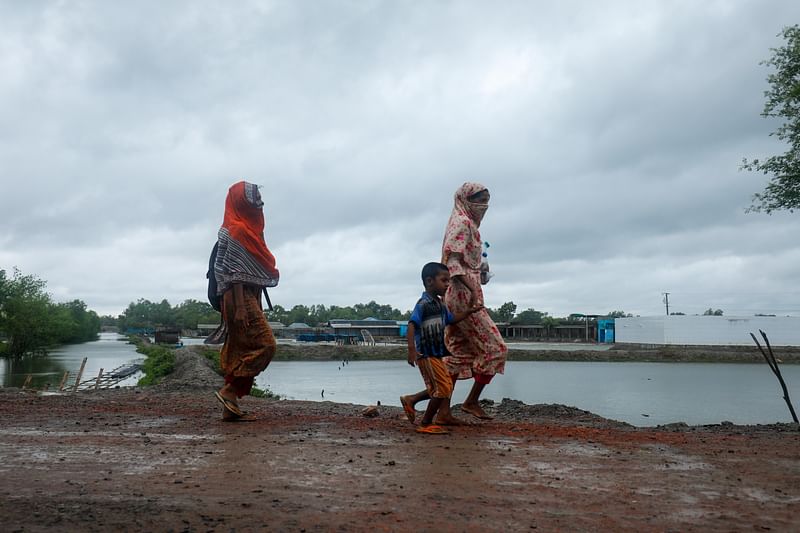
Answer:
(408, 407)
(476, 411)
(432, 429)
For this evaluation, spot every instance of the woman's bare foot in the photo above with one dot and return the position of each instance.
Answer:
(476, 411)
(449, 420)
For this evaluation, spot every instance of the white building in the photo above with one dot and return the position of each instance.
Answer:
(707, 330)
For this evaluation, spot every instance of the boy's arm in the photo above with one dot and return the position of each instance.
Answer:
(412, 347)
(458, 317)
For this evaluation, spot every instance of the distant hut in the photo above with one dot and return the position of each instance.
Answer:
(168, 336)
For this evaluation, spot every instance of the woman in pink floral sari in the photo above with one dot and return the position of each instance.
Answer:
(477, 349)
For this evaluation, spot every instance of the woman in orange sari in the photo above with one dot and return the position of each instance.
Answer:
(243, 268)
(477, 349)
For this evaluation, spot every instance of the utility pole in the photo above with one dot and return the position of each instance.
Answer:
(666, 301)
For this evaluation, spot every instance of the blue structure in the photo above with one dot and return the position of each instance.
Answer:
(140, 331)
(605, 330)
(328, 337)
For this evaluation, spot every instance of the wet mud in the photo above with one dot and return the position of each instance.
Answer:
(161, 459)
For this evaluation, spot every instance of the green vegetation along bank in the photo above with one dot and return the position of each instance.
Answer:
(30, 322)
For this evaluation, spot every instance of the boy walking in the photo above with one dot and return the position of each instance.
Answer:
(426, 346)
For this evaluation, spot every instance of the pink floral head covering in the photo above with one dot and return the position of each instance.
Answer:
(462, 235)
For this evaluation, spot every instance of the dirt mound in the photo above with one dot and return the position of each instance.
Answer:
(193, 371)
(510, 410)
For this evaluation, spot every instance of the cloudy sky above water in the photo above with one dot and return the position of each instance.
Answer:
(609, 134)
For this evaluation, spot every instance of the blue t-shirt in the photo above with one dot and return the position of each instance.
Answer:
(430, 316)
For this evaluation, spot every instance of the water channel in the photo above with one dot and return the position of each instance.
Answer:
(643, 394)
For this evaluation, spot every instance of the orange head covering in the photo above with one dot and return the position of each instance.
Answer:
(242, 254)
(244, 220)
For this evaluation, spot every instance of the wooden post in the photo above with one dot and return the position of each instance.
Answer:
(63, 380)
(27, 381)
(97, 383)
(80, 375)
(773, 365)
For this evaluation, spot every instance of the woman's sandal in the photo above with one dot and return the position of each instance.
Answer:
(432, 429)
(228, 416)
(230, 405)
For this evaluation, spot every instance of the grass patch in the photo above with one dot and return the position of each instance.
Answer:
(213, 356)
(159, 362)
(255, 392)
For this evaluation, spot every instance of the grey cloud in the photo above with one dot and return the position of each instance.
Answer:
(610, 137)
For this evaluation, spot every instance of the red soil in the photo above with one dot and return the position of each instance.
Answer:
(157, 460)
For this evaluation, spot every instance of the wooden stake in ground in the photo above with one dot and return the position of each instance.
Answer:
(97, 383)
(773, 365)
(63, 380)
(27, 381)
(80, 374)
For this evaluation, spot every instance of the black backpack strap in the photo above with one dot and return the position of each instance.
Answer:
(269, 303)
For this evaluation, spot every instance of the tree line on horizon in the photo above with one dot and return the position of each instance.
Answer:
(30, 322)
(145, 314)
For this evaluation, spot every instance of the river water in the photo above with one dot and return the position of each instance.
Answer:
(109, 352)
(642, 394)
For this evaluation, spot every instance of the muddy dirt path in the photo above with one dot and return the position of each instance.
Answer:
(160, 460)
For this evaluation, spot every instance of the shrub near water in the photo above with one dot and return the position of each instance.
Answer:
(159, 362)
(212, 355)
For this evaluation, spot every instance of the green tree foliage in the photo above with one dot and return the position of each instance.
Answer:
(192, 312)
(108, 320)
(529, 317)
(74, 322)
(504, 313)
(320, 314)
(24, 317)
(31, 322)
(783, 102)
(549, 323)
(144, 314)
(618, 314)
(712, 312)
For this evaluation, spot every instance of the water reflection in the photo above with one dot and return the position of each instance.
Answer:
(108, 352)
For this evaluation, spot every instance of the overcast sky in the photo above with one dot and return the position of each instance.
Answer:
(609, 134)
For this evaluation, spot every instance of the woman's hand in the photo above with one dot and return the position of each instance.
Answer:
(240, 313)
(486, 274)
